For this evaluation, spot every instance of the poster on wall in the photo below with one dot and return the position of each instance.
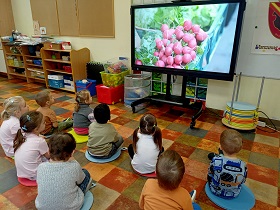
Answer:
(266, 39)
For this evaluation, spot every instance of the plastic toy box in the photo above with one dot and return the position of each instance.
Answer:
(109, 95)
(56, 81)
(90, 85)
(113, 80)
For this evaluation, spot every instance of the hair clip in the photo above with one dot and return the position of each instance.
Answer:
(24, 128)
(28, 117)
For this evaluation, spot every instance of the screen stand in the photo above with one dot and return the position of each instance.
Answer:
(173, 100)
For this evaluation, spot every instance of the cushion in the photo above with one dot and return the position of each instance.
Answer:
(79, 138)
(96, 160)
(88, 201)
(150, 175)
(245, 200)
(27, 182)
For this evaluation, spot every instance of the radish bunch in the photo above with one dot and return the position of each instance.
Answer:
(178, 47)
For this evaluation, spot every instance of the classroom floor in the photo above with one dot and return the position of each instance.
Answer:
(117, 186)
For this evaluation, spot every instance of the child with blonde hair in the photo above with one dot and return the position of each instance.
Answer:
(30, 148)
(146, 146)
(83, 115)
(14, 107)
(45, 100)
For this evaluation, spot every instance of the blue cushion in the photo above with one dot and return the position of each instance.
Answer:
(88, 201)
(97, 160)
(245, 200)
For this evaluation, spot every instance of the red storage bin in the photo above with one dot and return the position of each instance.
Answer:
(109, 95)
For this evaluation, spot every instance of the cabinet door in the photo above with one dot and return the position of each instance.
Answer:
(6, 18)
(96, 18)
(68, 17)
(46, 13)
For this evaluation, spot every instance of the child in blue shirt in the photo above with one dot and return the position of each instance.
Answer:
(226, 172)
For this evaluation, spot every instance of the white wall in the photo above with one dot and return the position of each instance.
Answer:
(219, 92)
(2, 62)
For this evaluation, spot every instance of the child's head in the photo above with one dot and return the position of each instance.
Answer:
(30, 122)
(170, 170)
(231, 141)
(61, 146)
(148, 123)
(44, 98)
(14, 106)
(102, 113)
(148, 126)
(82, 97)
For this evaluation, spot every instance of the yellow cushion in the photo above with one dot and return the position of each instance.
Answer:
(79, 138)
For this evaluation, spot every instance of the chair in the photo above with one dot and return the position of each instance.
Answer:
(97, 160)
(27, 182)
(78, 138)
(88, 201)
(245, 200)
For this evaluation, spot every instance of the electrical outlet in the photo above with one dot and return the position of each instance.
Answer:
(261, 124)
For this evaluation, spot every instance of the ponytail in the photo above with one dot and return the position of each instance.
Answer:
(135, 139)
(19, 140)
(158, 137)
(5, 115)
(81, 98)
(77, 106)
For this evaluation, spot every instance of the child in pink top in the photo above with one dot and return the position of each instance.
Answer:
(14, 107)
(29, 147)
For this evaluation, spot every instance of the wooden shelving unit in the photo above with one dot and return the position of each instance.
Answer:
(33, 64)
(14, 60)
(54, 65)
(20, 63)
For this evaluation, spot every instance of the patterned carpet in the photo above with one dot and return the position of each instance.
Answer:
(117, 186)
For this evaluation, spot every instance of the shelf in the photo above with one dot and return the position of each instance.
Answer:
(37, 78)
(57, 50)
(16, 74)
(58, 71)
(30, 64)
(14, 54)
(37, 70)
(32, 56)
(20, 67)
(73, 91)
(57, 61)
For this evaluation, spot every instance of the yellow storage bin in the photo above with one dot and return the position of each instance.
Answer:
(113, 80)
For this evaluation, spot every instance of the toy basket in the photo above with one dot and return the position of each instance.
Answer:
(113, 80)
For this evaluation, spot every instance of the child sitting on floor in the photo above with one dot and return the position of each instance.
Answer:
(147, 145)
(30, 148)
(104, 140)
(165, 192)
(83, 115)
(14, 107)
(226, 172)
(45, 100)
(62, 183)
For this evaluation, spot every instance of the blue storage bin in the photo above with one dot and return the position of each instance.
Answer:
(56, 81)
(89, 85)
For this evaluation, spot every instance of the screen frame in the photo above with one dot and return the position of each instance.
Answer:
(192, 73)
